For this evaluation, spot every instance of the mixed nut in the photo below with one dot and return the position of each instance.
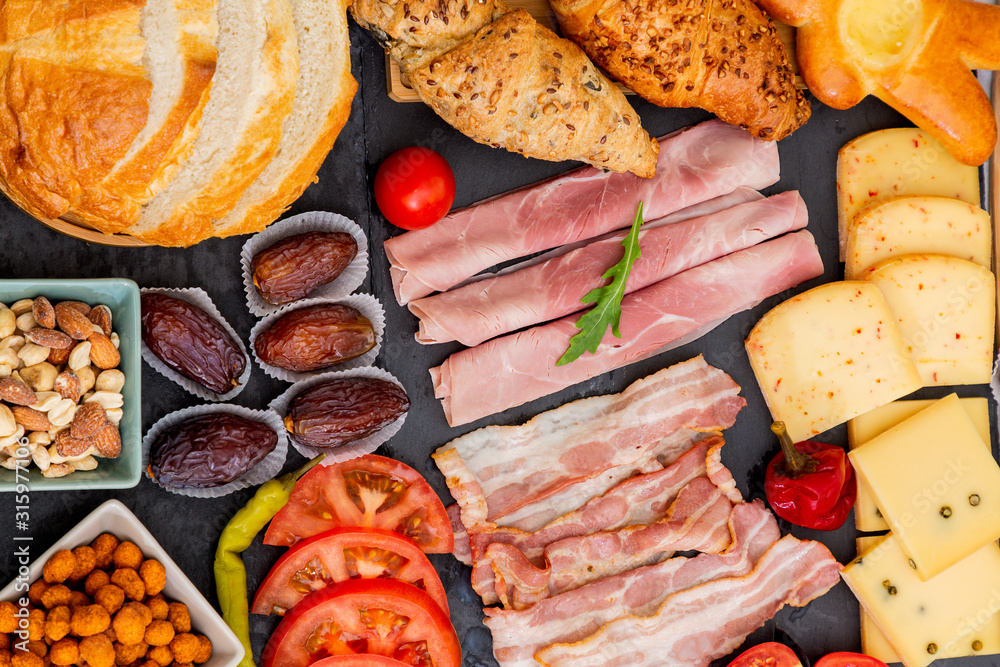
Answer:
(60, 389)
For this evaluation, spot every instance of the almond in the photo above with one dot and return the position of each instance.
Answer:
(108, 441)
(49, 338)
(75, 305)
(44, 313)
(73, 322)
(31, 420)
(88, 420)
(103, 352)
(68, 385)
(68, 446)
(16, 391)
(58, 357)
(101, 316)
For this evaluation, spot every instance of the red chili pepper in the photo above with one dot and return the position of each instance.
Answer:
(810, 483)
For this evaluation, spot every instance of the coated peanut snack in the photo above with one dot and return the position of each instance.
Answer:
(60, 388)
(101, 605)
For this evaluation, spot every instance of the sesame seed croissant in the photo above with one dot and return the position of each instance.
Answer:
(720, 55)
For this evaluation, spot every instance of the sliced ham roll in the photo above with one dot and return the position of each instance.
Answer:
(697, 625)
(517, 368)
(577, 614)
(694, 165)
(484, 309)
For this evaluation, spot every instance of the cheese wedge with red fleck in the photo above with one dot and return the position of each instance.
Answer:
(908, 225)
(945, 308)
(895, 162)
(829, 355)
(861, 429)
(951, 615)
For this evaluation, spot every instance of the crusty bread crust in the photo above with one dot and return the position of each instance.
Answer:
(720, 55)
(518, 86)
(925, 74)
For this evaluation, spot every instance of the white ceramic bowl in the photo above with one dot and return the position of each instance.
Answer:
(113, 517)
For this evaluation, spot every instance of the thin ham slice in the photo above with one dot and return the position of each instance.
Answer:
(697, 625)
(554, 288)
(643, 499)
(576, 614)
(694, 165)
(517, 368)
(497, 470)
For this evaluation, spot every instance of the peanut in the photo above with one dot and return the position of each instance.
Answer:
(107, 399)
(32, 354)
(80, 356)
(8, 322)
(111, 380)
(26, 321)
(40, 376)
(22, 306)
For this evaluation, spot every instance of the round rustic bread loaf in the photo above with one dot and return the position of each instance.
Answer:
(169, 120)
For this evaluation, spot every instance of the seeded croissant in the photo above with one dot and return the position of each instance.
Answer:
(720, 55)
(504, 80)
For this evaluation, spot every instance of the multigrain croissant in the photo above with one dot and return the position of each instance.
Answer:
(720, 55)
(502, 79)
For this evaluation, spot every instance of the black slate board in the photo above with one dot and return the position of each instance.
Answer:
(189, 528)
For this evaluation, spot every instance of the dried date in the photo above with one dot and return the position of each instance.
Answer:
(316, 337)
(191, 342)
(343, 410)
(210, 450)
(295, 266)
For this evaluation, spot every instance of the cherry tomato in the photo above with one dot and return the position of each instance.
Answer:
(365, 616)
(849, 660)
(414, 187)
(771, 654)
(341, 554)
(367, 491)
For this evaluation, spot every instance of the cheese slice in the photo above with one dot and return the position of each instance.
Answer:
(873, 642)
(860, 430)
(828, 355)
(954, 614)
(944, 308)
(936, 483)
(900, 161)
(907, 225)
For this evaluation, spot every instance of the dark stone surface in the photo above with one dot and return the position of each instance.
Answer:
(189, 528)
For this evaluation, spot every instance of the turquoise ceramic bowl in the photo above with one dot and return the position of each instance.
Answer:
(122, 296)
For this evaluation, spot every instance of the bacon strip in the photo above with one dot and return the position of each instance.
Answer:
(694, 165)
(579, 613)
(695, 626)
(554, 288)
(520, 367)
(499, 469)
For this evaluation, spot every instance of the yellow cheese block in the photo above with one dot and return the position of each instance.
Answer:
(901, 161)
(828, 355)
(861, 429)
(907, 225)
(873, 642)
(936, 484)
(945, 309)
(954, 614)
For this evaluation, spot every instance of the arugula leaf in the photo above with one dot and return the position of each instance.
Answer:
(594, 323)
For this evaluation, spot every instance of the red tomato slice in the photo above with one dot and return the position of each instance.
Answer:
(845, 659)
(771, 654)
(358, 661)
(368, 491)
(365, 616)
(341, 554)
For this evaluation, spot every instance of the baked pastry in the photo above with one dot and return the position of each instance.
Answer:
(170, 120)
(723, 56)
(502, 79)
(915, 56)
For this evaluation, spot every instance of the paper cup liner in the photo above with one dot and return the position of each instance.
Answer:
(266, 469)
(350, 450)
(314, 221)
(200, 298)
(366, 304)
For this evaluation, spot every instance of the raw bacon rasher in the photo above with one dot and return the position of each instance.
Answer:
(520, 367)
(694, 165)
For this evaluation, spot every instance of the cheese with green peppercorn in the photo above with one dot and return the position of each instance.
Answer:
(936, 484)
